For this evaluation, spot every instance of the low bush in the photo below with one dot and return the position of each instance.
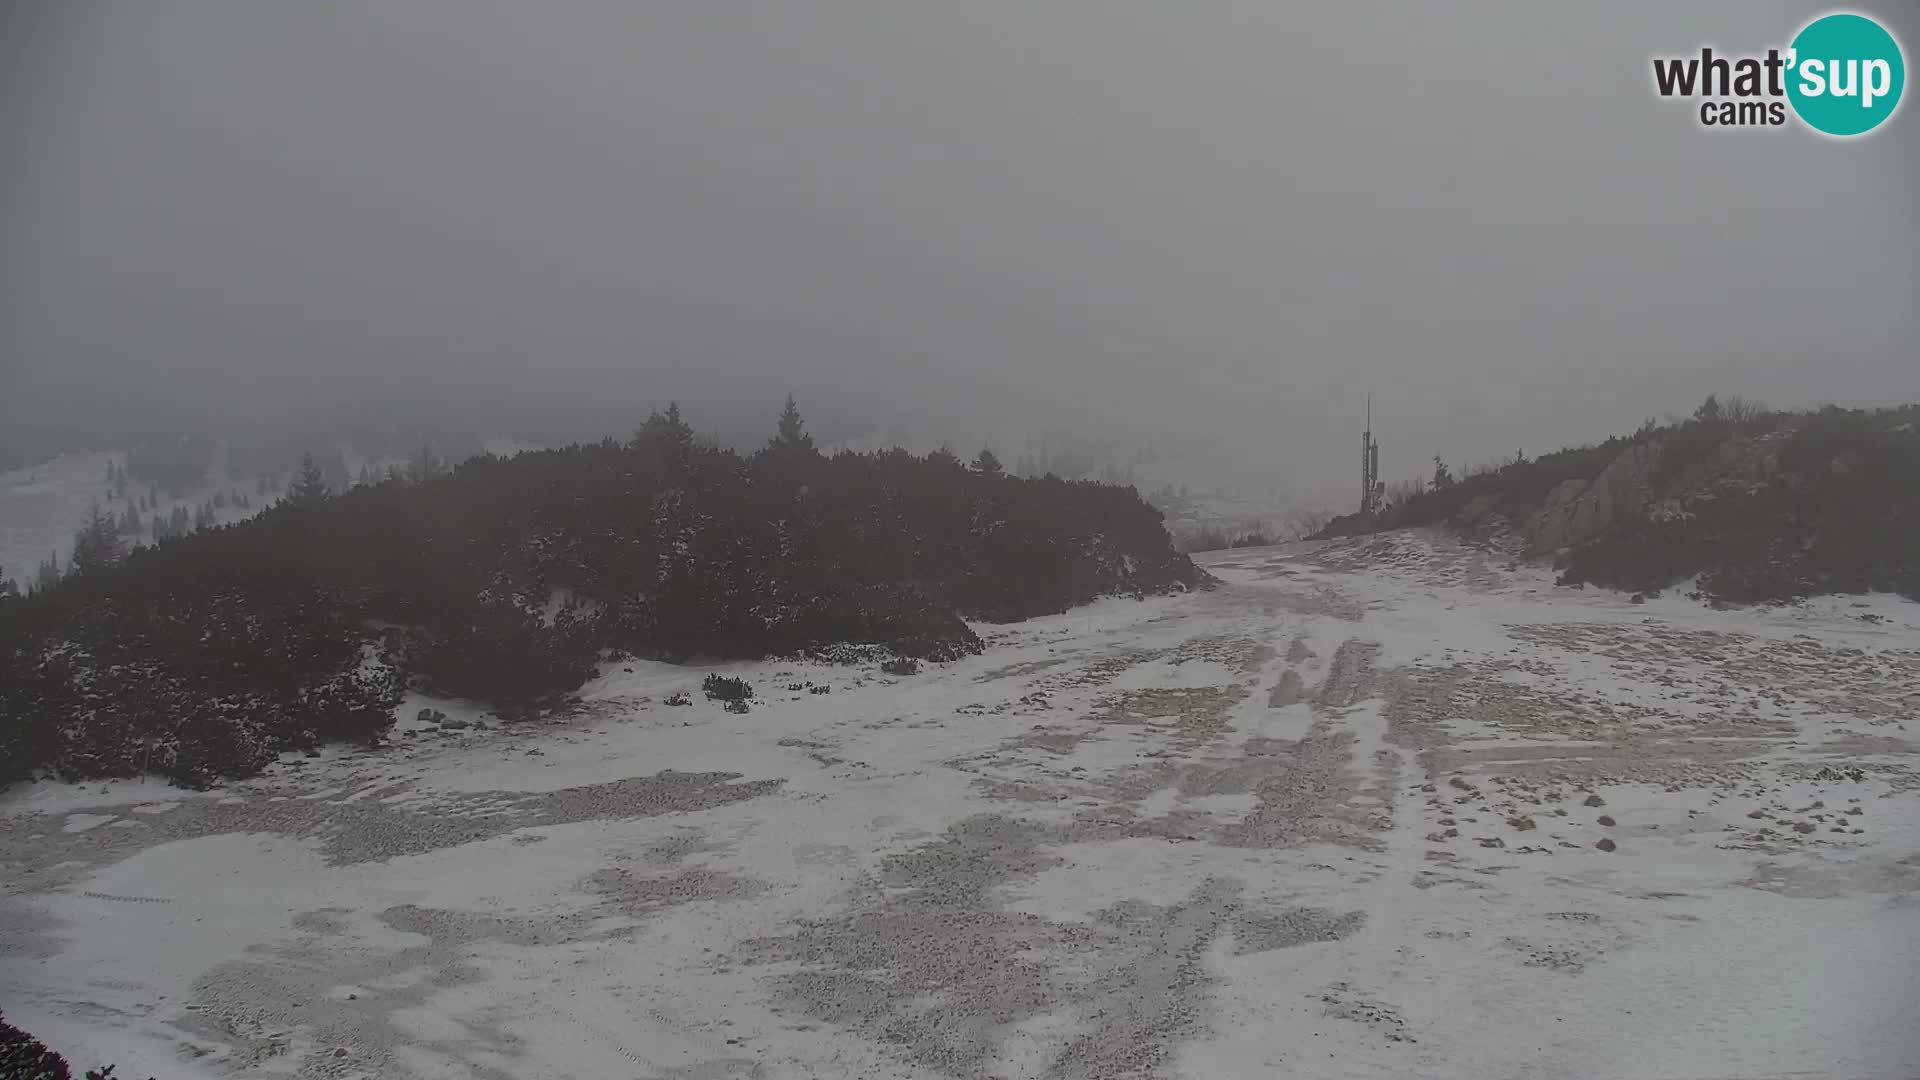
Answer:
(723, 688)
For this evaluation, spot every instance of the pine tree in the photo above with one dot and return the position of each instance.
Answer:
(260, 486)
(130, 523)
(310, 485)
(97, 545)
(159, 526)
(426, 466)
(1441, 477)
(48, 573)
(664, 440)
(792, 433)
(666, 430)
(987, 463)
(8, 590)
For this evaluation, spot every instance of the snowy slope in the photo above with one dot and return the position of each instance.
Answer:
(43, 506)
(1336, 818)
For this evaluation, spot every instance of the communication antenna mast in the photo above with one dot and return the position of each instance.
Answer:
(1371, 489)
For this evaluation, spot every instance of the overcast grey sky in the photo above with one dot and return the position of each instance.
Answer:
(1207, 217)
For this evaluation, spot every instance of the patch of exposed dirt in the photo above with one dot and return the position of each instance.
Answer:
(927, 959)
(1741, 675)
(367, 830)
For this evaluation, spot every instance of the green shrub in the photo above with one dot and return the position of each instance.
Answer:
(723, 688)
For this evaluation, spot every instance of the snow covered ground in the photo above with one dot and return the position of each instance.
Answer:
(42, 507)
(1385, 807)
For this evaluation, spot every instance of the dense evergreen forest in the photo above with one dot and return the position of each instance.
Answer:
(507, 580)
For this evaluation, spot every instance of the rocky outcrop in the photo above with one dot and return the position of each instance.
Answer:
(1644, 482)
(1577, 511)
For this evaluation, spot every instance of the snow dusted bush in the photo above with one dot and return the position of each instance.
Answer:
(723, 688)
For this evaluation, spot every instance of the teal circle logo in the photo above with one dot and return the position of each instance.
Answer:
(1845, 74)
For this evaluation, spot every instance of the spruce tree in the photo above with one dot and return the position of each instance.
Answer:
(97, 545)
(988, 464)
(48, 573)
(664, 440)
(309, 485)
(792, 434)
(426, 466)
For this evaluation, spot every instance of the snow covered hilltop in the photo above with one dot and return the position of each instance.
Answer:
(1380, 807)
(509, 580)
(1759, 505)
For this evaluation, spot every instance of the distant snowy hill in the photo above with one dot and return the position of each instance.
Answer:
(42, 506)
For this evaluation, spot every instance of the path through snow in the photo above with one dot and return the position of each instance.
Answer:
(1385, 807)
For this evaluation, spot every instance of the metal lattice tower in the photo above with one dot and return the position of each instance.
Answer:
(1370, 486)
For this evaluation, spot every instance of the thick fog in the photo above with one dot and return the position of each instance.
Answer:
(1153, 220)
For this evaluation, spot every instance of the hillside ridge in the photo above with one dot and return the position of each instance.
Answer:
(1763, 506)
(508, 581)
